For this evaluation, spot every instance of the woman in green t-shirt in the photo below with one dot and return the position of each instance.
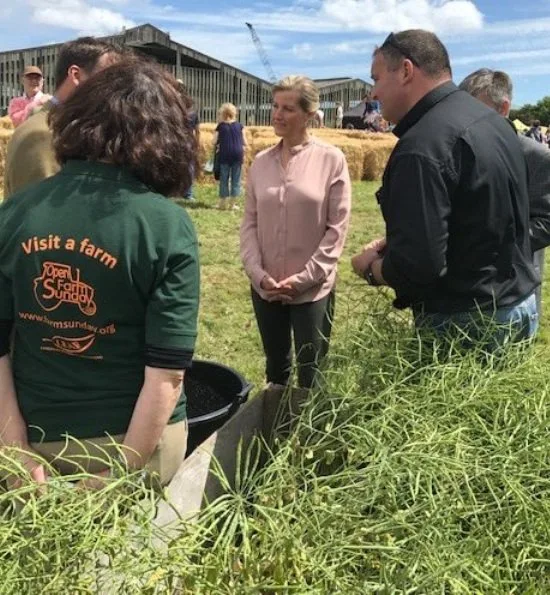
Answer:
(99, 283)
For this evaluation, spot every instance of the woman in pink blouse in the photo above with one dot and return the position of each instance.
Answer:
(295, 223)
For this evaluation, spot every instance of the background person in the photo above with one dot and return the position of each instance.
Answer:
(371, 114)
(99, 277)
(295, 223)
(339, 114)
(194, 125)
(535, 132)
(230, 142)
(319, 119)
(495, 89)
(30, 156)
(454, 199)
(20, 108)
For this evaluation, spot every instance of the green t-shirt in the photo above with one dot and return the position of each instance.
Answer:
(94, 267)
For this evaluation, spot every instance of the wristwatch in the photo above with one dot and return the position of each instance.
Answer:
(369, 277)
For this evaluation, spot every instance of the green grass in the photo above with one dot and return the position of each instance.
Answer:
(409, 471)
(405, 475)
(227, 328)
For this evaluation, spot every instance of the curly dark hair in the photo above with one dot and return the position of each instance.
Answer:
(130, 114)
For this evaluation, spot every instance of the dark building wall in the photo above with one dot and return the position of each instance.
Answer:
(209, 81)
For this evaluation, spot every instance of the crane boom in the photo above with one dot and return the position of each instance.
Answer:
(262, 53)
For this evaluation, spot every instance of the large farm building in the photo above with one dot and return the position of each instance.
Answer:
(208, 80)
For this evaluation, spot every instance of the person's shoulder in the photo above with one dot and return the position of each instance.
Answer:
(266, 154)
(530, 145)
(534, 151)
(326, 149)
(36, 125)
(177, 219)
(14, 101)
(458, 115)
(162, 211)
(21, 201)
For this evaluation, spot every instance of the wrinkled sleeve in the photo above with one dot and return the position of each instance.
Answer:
(30, 158)
(17, 110)
(539, 200)
(6, 314)
(249, 245)
(416, 208)
(325, 258)
(172, 309)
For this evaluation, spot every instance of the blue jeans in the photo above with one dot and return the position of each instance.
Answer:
(189, 192)
(490, 330)
(227, 173)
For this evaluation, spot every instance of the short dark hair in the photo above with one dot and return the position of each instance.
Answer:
(423, 48)
(84, 52)
(536, 123)
(131, 114)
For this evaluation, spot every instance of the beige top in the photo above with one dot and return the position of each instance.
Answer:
(30, 157)
(295, 220)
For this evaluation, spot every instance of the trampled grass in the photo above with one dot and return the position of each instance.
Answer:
(409, 472)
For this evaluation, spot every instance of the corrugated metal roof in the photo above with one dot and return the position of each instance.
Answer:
(325, 82)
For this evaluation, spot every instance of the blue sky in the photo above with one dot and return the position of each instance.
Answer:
(320, 38)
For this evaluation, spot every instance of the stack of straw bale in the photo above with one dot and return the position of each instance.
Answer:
(366, 153)
(6, 130)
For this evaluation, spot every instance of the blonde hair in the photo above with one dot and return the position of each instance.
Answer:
(227, 111)
(304, 86)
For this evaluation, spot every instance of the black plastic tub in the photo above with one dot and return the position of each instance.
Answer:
(214, 393)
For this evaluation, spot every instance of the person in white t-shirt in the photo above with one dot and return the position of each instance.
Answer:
(339, 114)
(319, 118)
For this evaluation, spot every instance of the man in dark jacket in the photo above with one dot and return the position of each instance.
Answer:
(454, 199)
(495, 89)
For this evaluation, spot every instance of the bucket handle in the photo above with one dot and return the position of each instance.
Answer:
(242, 395)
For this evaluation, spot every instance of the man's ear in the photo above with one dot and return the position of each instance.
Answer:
(505, 108)
(407, 70)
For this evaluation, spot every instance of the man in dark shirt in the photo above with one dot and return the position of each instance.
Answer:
(454, 199)
(494, 88)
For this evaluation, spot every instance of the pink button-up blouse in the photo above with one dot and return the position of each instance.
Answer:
(295, 220)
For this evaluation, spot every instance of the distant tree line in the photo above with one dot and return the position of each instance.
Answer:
(528, 112)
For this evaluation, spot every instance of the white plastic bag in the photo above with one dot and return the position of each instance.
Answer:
(209, 166)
